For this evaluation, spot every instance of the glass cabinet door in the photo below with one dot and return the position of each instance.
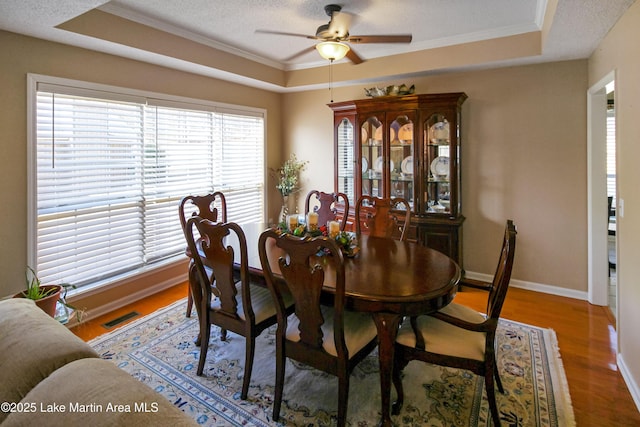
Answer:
(406, 147)
(439, 169)
(345, 156)
(401, 148)
(372, 157)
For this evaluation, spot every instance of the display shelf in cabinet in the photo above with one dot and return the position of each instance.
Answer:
(414, 130)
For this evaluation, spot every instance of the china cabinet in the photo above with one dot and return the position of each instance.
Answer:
(409, 147)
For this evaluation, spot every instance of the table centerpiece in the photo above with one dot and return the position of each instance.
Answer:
(346, 240)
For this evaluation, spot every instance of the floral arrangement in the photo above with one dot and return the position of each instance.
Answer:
(347, 241)
(288, 175)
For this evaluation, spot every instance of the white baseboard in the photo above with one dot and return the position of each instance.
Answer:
(532, 286)
(632, 384)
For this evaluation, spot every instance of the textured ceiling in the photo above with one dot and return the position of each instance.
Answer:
(577, 26)
(233, 22)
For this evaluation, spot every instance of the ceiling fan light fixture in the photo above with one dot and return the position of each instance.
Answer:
(333, 51)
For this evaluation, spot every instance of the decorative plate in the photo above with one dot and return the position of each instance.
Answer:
(377, 166)
(378, 135)
(407, 165)
(405, 133)
(439, 133)
(365, 164)
(440, 166)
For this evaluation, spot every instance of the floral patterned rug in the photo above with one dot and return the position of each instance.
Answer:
(159, 350)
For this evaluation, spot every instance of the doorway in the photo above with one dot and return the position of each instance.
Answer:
(612, 202)
(601, 183)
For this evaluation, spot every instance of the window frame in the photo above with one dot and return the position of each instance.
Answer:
(34, 81)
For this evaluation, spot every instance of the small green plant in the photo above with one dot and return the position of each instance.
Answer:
(35, 290)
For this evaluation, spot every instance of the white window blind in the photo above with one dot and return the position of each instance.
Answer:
(110, 174)
(346, 161)
(611, 154)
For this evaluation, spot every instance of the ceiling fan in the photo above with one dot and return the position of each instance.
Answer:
(334, 35)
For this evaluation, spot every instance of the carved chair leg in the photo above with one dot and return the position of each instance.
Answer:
(497, 377)
(204, 345)
(280, 365)
(189, 301)
(343, 398)
(248, 366)
(491, 397)
(195, 293)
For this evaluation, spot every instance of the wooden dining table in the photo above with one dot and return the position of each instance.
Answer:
(388, 278)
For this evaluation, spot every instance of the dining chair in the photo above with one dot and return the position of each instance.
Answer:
(457, 336)
(211, 206)
(237, 306)
(325, 205)
(383, 217)
(325, 337)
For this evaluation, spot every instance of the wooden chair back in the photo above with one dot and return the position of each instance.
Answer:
(324, 204)
(502, 276)
(211, 206)
(383, 217)
(220, 257)
(304, 275)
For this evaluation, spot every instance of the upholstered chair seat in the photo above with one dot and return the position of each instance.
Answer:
(444, 338)
(359, 330)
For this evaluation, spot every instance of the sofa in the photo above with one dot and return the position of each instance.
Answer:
(48, 376)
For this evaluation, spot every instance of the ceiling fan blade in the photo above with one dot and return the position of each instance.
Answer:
(339, 24)
(399, 38)
(302, 52)
(282, 33)
(354, 57)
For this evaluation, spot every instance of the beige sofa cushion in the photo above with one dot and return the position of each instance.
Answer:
(32, 346)
(97, 387)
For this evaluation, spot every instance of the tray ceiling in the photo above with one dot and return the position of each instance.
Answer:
(218, 38)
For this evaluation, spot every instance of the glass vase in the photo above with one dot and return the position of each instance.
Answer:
(284, 209)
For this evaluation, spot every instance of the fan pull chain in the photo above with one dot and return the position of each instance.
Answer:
(331, 79)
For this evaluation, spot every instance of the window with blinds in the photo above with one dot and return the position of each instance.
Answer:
(346, 161)
(111, 169)
(611, 153)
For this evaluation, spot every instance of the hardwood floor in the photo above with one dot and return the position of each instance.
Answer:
(586, 337)
(94, 327)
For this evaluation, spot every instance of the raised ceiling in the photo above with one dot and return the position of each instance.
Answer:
(219, 39)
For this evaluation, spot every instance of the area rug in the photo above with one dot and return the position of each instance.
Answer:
(159, 351)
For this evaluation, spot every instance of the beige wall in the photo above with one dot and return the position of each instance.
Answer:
(619, 52)
(524, 157)
(20, 55)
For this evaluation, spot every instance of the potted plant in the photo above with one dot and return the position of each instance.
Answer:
(45, 296)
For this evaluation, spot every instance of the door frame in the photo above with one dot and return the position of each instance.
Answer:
(597, 223)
